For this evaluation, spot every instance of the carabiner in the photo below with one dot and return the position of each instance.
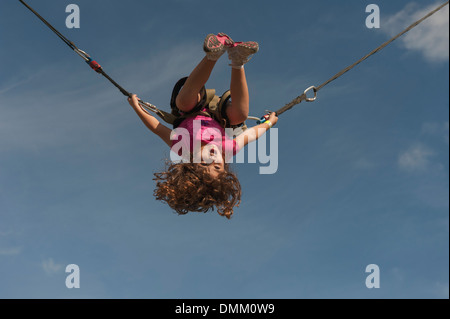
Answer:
(310, 99)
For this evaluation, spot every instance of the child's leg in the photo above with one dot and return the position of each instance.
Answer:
(238, 110)
(239, 54)
(214, 46)
(189, 94)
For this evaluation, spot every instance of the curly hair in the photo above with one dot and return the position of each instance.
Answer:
(187, 187)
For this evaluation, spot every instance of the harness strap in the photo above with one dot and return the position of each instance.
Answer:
(167, 117)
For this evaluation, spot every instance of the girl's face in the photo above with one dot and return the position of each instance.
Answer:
(212, 160)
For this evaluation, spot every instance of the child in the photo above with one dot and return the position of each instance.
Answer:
(205, 180)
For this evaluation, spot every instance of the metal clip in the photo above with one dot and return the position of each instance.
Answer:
(310, 99)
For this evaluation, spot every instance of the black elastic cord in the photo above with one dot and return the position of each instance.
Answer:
(121, 89)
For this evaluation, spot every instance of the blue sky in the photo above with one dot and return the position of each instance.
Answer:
(363, 174)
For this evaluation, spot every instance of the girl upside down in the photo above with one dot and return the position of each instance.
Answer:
(203, 180)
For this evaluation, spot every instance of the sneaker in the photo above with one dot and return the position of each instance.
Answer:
(241, 52)
(216, 45)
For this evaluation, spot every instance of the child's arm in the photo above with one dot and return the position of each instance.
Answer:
(253, 133)
(150, 121)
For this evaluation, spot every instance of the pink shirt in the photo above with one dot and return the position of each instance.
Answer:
(208, 131)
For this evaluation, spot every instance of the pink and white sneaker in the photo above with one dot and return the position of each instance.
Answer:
(241, 52)
(216, 45)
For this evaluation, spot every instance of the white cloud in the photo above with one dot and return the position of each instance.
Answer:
(415, 158)
(431, 37)
(430, 128)
(441, 290)
(160, 70)
(436, 129)
(5, 250)
(10, 251)
(5, 233)
(364, 163)
(50, 267)
(398, 274)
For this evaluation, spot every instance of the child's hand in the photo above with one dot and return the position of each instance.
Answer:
(134, 101)
(273, 118)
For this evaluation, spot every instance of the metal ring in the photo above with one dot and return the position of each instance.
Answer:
(148, 106)
(310, 99)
